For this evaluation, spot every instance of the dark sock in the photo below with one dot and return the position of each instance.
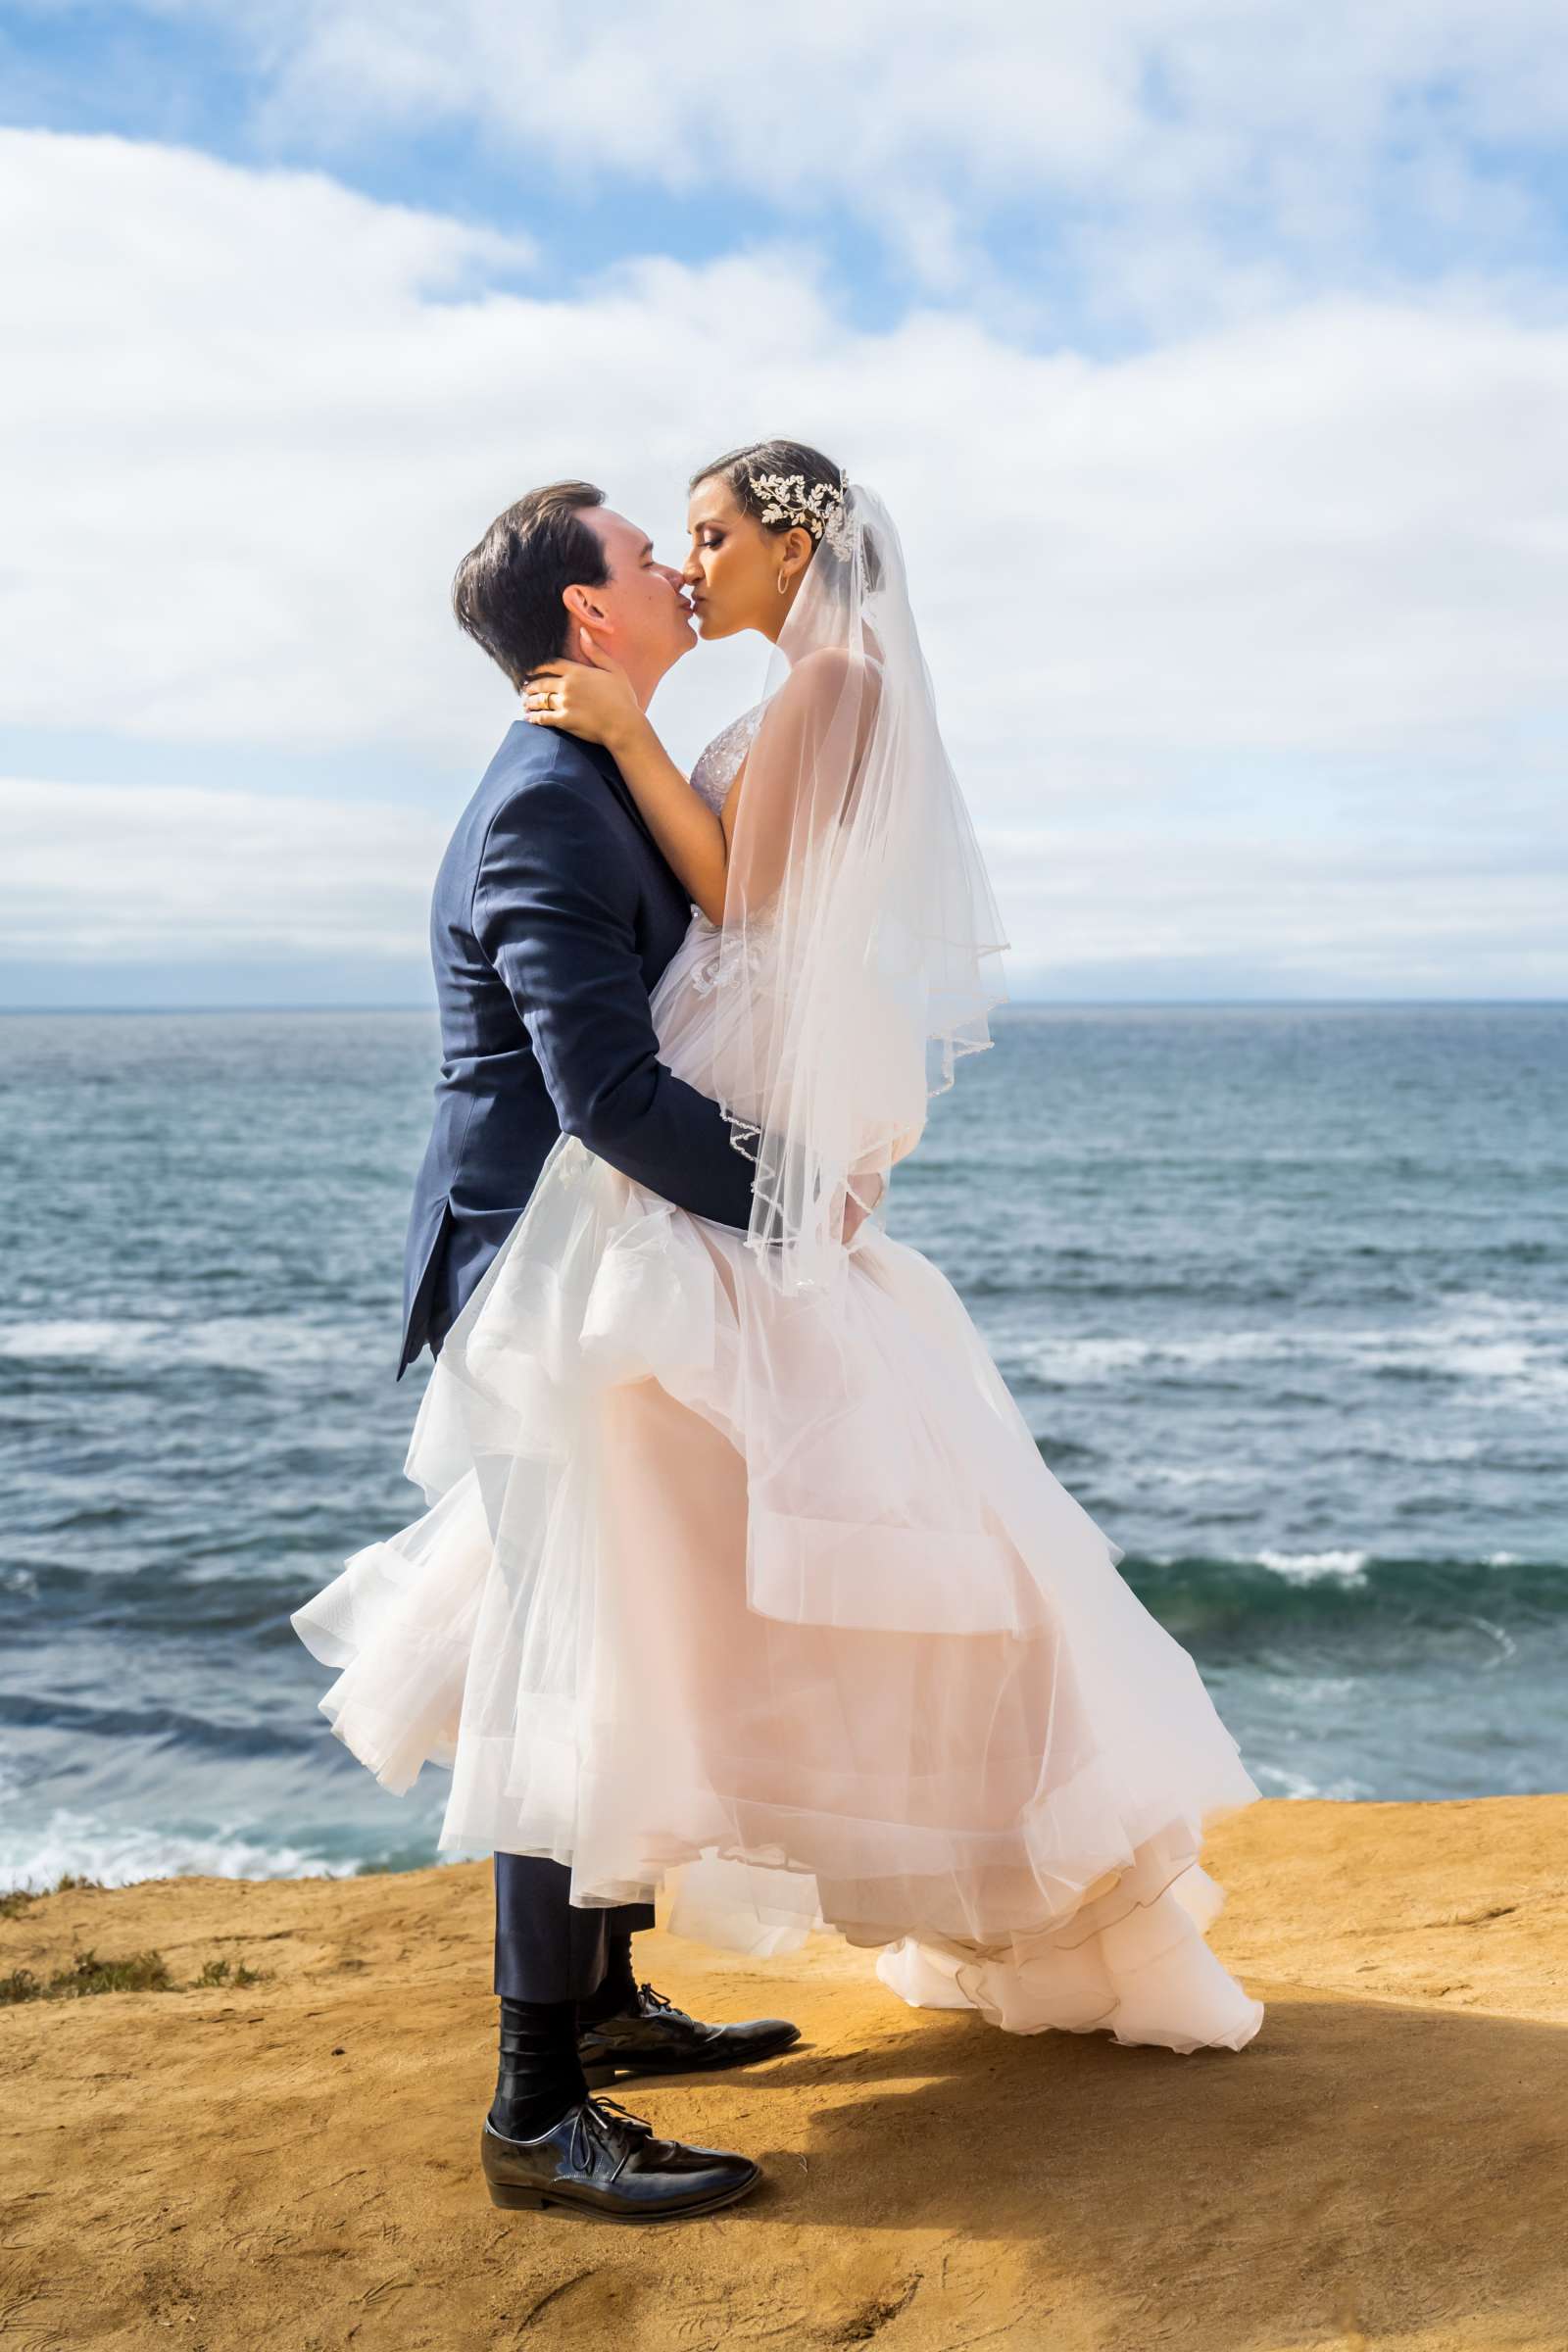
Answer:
(617, 1992)
(541, 2075)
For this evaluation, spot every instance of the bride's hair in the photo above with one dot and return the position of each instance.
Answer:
(741, 469)
(786, 457)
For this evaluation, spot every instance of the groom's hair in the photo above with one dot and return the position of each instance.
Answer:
(507, 591)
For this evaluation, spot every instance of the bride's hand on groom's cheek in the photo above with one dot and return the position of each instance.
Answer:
(592, 699)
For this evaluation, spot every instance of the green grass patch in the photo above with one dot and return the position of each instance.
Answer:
(227, 1972)
(15, 1904)
(138, 1972)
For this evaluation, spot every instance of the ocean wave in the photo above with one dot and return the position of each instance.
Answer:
(1307, 1566)
(1197, 1473)
(73, 1342)
(1496, 1348)
(1275, 1781)
(244, 1343)
(120, 1856)
(165, 1729)
(1203, 1597)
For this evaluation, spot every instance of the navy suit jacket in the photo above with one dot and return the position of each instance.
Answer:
(554, 915)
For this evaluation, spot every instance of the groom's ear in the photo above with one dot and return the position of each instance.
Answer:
(584, 607)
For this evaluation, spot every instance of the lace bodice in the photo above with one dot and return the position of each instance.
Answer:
(716, 765)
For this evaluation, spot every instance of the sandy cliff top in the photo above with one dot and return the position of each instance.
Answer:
(293, 2163)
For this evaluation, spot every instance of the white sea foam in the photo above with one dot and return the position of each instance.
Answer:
(92, 1848)
(1307, 1567)
(1504, 1350)
(1274, 1780)
(1300, 1567)
(269, 1343)
(1311, 1690)
(1088, 1359)
(109, 1342)
(1201, 1474)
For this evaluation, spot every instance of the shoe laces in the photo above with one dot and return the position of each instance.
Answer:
(599, 2120)
(656, 2000)
(622, 2114)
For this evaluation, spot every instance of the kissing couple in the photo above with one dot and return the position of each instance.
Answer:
(740, 1575)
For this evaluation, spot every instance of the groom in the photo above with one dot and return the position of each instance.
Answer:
(554, 915)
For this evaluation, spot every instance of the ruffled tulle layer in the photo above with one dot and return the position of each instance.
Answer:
(1145, 1977)
(774, 1601)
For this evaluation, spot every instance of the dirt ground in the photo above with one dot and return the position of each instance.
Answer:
(293, 2163)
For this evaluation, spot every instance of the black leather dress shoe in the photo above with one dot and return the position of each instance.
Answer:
(600, 2160)
(657, 2038)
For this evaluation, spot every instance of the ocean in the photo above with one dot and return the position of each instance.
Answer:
(1282, 1290)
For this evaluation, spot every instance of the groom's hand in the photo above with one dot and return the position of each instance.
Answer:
(592, 699)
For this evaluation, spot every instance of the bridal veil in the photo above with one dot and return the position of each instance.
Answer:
(858, 919)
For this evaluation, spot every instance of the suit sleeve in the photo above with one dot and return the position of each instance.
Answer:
(552, 914)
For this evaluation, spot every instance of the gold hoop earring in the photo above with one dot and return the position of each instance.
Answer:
(782, 589)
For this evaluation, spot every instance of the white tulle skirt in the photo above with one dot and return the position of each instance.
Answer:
(775, 1602)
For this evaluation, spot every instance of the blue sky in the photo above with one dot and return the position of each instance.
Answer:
(1214, 363)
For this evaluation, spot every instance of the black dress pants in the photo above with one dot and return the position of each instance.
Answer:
(547, 1949)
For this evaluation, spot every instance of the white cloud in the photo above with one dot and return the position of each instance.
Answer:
(1301, 577)
(1340, 916)
(121, 875)
(1192, 126)
(103, 873)
(252, 428)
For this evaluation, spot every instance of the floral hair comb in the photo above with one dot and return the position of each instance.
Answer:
(819, 509)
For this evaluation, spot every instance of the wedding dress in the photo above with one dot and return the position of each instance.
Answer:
(741, 1574)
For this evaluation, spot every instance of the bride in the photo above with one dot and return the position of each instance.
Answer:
(741, 1574)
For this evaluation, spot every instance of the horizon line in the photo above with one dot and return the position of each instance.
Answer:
(1011, 1005)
